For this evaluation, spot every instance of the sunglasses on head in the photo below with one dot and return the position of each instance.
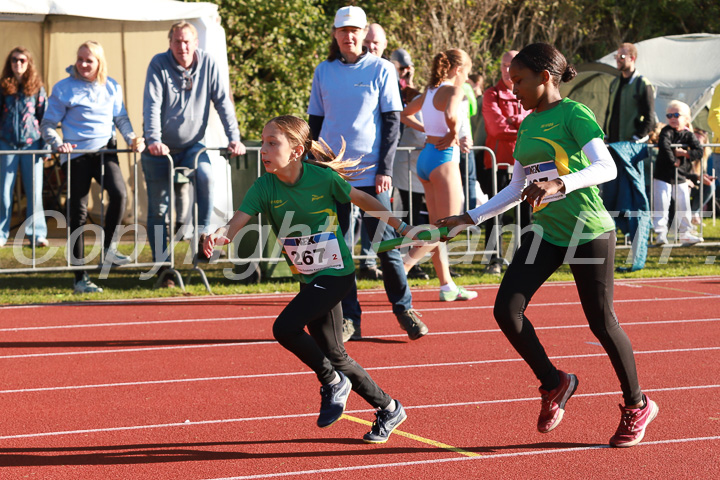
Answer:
(672, 115)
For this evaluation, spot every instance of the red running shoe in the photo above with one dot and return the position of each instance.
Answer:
(553, 402)
(633, 423)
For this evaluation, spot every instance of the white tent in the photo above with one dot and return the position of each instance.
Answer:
(681, 67)
(131, 33)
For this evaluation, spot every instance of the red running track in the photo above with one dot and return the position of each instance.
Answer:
(197, 389)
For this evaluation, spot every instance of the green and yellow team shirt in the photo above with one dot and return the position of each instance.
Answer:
(304, 219)
(549, 145)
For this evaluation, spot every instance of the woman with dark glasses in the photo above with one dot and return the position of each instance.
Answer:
(22, 104)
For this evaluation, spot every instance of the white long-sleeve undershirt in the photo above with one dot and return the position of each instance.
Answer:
(601, 169)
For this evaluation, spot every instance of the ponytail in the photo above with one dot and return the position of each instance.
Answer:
(323, 156)
(440, 69)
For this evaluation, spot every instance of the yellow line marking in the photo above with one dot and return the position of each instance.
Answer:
(416, 438)
(660, 287)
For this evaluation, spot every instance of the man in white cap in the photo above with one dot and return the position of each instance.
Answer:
(355, 97)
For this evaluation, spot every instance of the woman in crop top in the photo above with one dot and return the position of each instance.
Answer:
(438, 164)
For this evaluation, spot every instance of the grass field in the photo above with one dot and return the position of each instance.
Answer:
(125, 283)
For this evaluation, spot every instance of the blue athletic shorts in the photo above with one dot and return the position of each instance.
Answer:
(430, 158)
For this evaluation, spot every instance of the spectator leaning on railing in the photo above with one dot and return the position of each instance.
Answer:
(89, 105)
(179, 86)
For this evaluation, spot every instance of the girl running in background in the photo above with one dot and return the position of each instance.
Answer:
(559, 158)
(299, 199)
(438, 163)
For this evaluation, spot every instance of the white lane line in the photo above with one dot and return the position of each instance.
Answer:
(314, 414)
(365, 292)
(268, 342)
(483, 456)
(308, 372)
(369, 312)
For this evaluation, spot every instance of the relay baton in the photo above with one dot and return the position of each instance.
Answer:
(425, 235)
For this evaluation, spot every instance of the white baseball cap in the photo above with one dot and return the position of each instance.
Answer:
(350, 17)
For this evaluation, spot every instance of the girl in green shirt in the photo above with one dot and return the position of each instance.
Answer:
(560, 157)
(298, 197)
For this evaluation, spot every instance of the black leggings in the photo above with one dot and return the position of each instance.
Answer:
(531, 266)
(317, 306)
(82, 170)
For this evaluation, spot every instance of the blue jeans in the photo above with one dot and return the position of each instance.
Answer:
(469, 185)
(8, 173)
(394, 278)
(157, 178)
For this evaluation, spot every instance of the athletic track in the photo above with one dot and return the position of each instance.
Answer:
(198, 389)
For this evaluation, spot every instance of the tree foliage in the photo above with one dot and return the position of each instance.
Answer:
(274, 45)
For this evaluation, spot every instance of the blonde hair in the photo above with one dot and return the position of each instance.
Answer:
(683, 109)
(182, 25)
(99, 53)
(297, 131)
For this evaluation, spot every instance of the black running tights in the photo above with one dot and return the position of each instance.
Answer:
(317, 306)
(592, 265)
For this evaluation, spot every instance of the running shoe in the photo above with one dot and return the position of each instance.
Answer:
(417, 273)
(333, 400)
(661, 239)
(348, 329)
(688, 239)
(553, 402)
(410, 321)
(370, 273)
(41, 242)
(458, 294)
(633, 423)
(384, 424)
(85, 285)
(113, 257)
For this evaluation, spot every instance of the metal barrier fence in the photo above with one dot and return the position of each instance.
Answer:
(470, 249)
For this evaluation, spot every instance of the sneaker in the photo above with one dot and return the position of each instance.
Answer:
(688, 239)
(417, 273)
(3, 241)
(410, 322)
(384, 424)
(370, 273)
(494, 268)
(166, 281)
(458, 294)
(553, 402)
(333, 400)
(41, 242)
(113, 257)
(348, 329)
(357, 335)
(85, 285)
(633, 423)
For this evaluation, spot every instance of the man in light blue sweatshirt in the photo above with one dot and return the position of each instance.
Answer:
(179, 86)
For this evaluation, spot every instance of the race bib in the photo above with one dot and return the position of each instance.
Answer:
(312, 253)
(544, 172)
